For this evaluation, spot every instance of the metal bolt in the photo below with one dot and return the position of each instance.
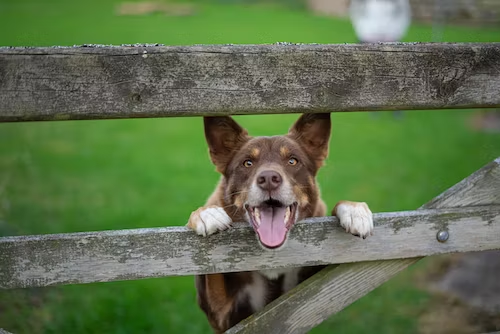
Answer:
(442, 236)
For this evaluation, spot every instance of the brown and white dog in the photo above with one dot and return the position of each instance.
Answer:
(269, 182)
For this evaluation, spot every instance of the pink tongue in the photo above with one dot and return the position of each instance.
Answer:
(272, 229)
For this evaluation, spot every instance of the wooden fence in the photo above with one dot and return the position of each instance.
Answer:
(94, 82)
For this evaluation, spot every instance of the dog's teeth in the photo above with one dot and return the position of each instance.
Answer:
(257, 215)
(287, 215)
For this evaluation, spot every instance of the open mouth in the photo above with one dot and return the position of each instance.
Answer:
(271, 221)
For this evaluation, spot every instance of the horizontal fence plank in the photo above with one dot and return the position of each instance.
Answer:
(43, 260)
(93, 82)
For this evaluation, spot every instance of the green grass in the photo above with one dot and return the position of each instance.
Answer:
(97, 175)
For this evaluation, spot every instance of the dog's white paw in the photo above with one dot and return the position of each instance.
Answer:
(356, 218)
(208, 220)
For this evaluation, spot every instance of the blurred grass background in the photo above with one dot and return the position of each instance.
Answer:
(116, 174)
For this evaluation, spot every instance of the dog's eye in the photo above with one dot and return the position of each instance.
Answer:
(248, 163)
(292, 161)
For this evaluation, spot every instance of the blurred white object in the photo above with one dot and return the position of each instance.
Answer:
(380, 20)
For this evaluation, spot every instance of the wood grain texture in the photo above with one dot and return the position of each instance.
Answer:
(480, 189)
(327, 292)
(154, 81)
(43, 260)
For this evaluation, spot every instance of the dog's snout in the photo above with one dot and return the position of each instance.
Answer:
(269, 180)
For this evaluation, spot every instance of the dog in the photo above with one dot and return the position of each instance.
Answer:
(269, 182)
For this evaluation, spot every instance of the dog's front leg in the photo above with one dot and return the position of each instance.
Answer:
(209, 219)
(355, 217)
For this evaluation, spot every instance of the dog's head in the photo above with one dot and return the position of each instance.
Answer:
(269, 181)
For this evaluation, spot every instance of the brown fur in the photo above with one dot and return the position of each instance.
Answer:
(222, 296)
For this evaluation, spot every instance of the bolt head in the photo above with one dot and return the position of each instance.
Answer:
(442, 236)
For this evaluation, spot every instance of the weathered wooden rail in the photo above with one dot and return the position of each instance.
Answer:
(141, 81)
(155, 81)
(131, 254)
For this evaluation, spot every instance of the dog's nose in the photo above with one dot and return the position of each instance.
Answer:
(269, 180)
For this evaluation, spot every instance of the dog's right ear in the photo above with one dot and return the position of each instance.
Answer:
(224, 137)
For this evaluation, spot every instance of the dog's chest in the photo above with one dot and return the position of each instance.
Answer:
(268, 285)
(289, 277)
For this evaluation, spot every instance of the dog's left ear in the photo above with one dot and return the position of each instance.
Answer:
(312, 132)
(224, 137)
